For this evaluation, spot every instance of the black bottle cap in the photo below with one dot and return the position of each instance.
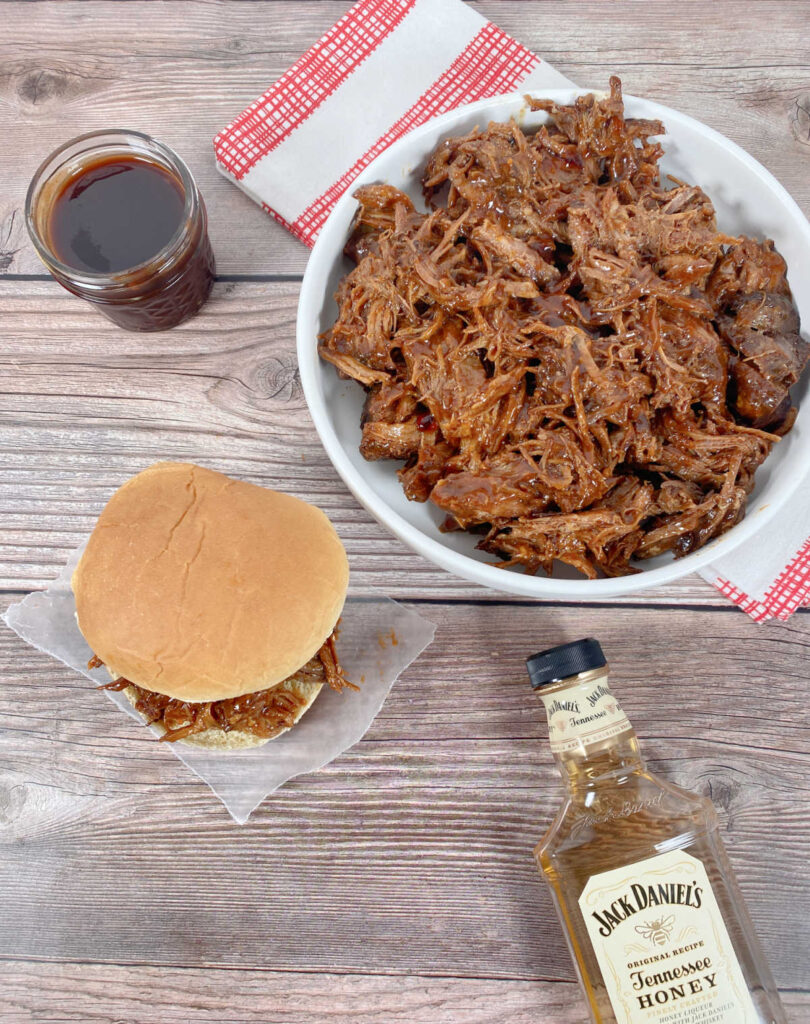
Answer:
(566, 660)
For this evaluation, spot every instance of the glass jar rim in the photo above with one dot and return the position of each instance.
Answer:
(177, 165)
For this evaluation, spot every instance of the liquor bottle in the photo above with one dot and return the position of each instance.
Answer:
(642, 885)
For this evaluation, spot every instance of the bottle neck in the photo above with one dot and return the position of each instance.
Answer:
(591, 737)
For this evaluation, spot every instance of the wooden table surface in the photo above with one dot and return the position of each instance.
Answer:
(396, 885)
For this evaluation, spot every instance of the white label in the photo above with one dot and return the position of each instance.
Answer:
(662, 945)
(581, 715)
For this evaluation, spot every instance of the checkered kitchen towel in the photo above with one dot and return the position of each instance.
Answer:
(384, 68)
(769, 577)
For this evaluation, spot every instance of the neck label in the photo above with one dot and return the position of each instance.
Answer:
(582, 715)
(662, 945)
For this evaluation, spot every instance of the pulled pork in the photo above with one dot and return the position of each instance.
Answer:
(569, 357)
(264, 714)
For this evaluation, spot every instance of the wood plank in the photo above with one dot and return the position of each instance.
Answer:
(411, 852)
(67, 68)
(112, 994)
(85, 405)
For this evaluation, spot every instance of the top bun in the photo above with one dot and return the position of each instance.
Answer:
(204, 588)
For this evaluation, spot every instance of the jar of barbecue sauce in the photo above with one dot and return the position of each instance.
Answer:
(118, 220)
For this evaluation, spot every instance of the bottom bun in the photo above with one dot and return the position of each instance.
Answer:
(236, 739)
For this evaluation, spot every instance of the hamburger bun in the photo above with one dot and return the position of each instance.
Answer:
(205, 588)
(240, 739)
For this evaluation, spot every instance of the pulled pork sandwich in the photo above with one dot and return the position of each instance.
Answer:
(571, 359)
(213, 604)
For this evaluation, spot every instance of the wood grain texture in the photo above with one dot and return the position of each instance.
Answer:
(111, 994)
(85, 405)
(114, 994)
(71, 67)
(411, 852)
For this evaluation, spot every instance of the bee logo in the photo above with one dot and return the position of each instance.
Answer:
(657, 931)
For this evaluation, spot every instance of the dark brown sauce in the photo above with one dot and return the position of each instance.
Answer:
(115, 214)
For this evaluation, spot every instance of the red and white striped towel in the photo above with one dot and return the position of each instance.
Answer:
(384, 68)
(769, 576)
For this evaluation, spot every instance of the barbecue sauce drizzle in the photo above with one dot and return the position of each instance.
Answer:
(264, 713)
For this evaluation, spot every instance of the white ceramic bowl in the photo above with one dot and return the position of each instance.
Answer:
(748, 200)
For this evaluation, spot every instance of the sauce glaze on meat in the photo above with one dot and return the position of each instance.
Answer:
(569, 357)
(265, 713)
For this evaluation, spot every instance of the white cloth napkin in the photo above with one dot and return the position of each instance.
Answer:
(769, 577)
(384, 68)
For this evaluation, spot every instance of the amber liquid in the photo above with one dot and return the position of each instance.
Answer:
(617, 813)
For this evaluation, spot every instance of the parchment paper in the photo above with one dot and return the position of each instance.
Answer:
(378, 639)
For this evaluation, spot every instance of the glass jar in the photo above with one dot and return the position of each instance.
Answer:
(156, 293)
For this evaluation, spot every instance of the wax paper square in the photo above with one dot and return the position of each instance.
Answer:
(378, 639)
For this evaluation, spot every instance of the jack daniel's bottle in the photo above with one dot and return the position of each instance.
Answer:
(643, 887)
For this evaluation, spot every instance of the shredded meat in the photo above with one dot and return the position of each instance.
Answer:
(570, 358)
(265, 713)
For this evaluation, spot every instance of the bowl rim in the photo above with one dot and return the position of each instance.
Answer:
(459, 564)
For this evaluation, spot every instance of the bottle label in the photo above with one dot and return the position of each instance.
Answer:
(582, 715)
(662, 945)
